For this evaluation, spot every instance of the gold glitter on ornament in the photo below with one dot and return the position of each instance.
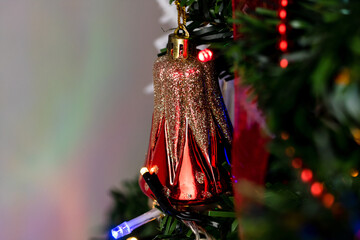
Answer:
(191, 132)
(206, 194)
(166, 192)
(187, 96)
(200, 177)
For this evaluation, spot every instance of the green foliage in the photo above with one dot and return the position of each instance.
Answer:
(318, 111)
(172, 228)
(130, 202)
(315, 100)
(209, 20)
(208, 23)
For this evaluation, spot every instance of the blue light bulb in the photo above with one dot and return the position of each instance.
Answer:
(121, 230)
(127, 227)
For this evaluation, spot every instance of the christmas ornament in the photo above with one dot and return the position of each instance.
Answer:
(191, 132)
(250, 157)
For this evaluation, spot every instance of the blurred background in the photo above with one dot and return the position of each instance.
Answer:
(75, 118)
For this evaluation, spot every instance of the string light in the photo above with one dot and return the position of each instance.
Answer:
(284, 136)
(354, 173)
(284, 3)
(205, 55)
(296, 163)
(306, 175)
(283, 44)
(282, 14)
(154, 169)
(282, 28)
(356, 135)
(284, 63)
(290, 151)
(127, 227)
(144, 170)
(328, 200)
(343, 78)
(317, 189)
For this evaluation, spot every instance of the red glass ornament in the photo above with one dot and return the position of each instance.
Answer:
(249, 155)
(249, 159)
(248, 7)
(191, 133)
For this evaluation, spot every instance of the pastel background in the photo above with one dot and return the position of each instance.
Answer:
(75, 119)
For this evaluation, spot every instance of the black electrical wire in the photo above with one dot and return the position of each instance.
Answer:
(157, 189)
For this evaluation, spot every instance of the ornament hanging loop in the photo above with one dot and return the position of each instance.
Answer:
(181, 16)
(183, 28)
(179, 45)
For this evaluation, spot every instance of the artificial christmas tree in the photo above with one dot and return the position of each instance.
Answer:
(187, 169)
(296, 153)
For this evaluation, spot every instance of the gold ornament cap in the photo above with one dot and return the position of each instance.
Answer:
(179, 46)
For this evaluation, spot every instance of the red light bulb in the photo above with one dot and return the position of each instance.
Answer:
(328, 200)
(306, 175)
(210, 53)
(296, 163)
(283, 45)
(205, 55)
(201, 57)
(316, 189)
(282, 14)
(284, 63)
(284, 3)
(282, 28)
